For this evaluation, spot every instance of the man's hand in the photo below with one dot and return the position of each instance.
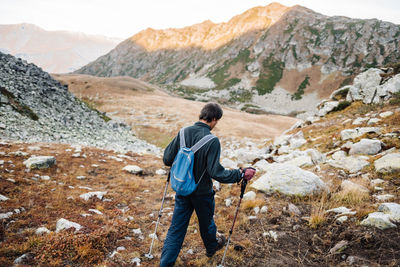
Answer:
(248, 173)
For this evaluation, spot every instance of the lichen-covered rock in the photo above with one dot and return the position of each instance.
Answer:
(40, 162)
(366, 146)
(289, 180)
(352, 164)
(388, 163)
(133, 169)
(379, 220)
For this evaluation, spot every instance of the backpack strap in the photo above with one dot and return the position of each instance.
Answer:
(202, 142)
(182, 137)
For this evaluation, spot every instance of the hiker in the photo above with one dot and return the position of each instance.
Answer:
(206, 167)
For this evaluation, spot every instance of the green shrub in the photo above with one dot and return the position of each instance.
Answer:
(342, 105)
(300, 90)
(272, 74)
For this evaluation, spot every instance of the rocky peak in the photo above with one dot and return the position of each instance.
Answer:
(207, 34)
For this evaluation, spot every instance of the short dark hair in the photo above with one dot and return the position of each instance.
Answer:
(210, 112)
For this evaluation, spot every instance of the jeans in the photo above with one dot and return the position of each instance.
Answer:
(184, 205)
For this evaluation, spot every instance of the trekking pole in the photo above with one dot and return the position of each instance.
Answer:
(149, 255)
(242, 188)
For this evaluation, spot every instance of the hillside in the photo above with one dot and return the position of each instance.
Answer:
(53, 51)
(326, 191)
(273, 59)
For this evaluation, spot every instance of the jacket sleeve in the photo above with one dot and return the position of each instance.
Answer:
(216, 170)
(170, 151)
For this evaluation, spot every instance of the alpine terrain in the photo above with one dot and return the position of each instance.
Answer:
(272, 59)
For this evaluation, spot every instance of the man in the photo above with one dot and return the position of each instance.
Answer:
(206, 163)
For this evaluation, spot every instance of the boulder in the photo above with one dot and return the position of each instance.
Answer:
(357, 132)
(297, 140)
(359, 121)
(353, 94)
(389, 88)
(282, 140)
(373, 121)
(366, 146)
(388, 163)
(40, 162)
(133, 169)
(289, 180)
(316, 156)
(367, 83)
(65, 224)
(340, 93)
(379, 220)
(3, 198)
(327, 107)
(391, 208)
(385, 114)
(302, 161)
(261, 165)
(352, 164)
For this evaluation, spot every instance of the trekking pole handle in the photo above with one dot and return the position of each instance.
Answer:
(243, 187)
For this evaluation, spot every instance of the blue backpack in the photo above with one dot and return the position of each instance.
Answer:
(182, 178)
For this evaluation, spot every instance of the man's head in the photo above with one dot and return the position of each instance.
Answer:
(210, 114)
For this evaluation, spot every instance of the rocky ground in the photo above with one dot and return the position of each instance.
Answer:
(327, 191)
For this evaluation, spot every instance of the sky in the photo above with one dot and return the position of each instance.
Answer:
(124, 18)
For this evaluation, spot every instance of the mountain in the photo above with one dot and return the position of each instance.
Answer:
(54, 51)
(272, 59)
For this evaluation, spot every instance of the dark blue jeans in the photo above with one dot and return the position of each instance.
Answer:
(184, 205)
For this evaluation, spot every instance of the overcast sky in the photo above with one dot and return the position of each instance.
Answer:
(124, 18)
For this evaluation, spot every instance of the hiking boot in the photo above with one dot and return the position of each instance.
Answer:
(221, 240)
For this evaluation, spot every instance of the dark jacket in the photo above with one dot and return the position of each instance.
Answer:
(207, 158)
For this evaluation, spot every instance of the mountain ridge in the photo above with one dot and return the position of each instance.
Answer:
(256, 69)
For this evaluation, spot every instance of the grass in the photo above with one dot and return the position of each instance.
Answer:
(271, 75)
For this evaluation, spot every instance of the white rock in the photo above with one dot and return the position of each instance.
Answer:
(339, 247)
(65, 224)
(97, 194)
(252, 218)
(316, 156)
(217, 186)
(261, 165)
(40, 162)
(94, 165)
(379, 220)
(327, 107)
(386, 114)
(133, 169)
(34, 148)
(256, 210)
(121, 248)
(338, 155)
(373, 121)
(393, 209)
(161, 172)
(347, 185)
(340, 210)
(3, 198)
(22, 259)
(294, 209)
(1, 162)
(357, 132)
(367, 83)
(42, 230)
(284, 150)
(228, 202)
(359, 121)
(377, 181)
(228, 163)
(302, 161)
(153, 235)
(341, 219)
(45, 178)
(81, 177)
(136, 260)
(388, 163)
(366, 146)
(385, 197)
(76, 155)
(297, 140)
(96, 211)
(137, 231)
(290, 180)
(352, 164)
(6, 215)
(271, 234)
(250, 195)
(189, 251)
(282, 140)
(264, 209)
